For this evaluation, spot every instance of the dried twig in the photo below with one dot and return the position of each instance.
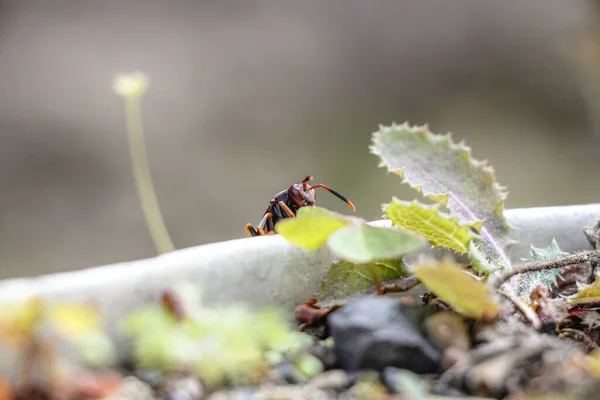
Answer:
(592, 234)
(527, 312)
(576, 334)
(505, 274)
(308, 312)
(395, 286)
(402, 285)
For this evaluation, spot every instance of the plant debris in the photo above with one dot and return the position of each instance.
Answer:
(484, 327)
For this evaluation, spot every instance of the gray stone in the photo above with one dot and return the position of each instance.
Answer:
(377, 332)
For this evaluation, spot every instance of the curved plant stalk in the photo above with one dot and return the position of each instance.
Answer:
(131, 87)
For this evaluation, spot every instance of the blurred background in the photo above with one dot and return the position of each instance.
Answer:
(248, 97)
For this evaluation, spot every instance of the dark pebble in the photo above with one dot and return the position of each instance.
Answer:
(378, 332)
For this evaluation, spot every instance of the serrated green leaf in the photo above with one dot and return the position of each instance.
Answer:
(527, 282)
(480, 260)
(441, 230)
(445, 172)
(463, 292)
(345, 277)
(364, 243)
(586, 293)
(312, 227)
(550, 253)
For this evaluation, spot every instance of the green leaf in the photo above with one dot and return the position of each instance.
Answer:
(550, 253)
(441, 230)
(480, 260)
(74, 321)
(96, 350)
(586, 293)
(149, 319)
(445, 172)
(463, 292)
(364, 243)
(312, 227)
(527, 282)
(19, 322)
(224, 345)
(308, 365)
(345, 277)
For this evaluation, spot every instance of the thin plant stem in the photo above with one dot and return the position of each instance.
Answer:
(400, 285)
(141, 173)
(375, 278)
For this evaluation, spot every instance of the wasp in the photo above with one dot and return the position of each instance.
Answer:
(286, 204)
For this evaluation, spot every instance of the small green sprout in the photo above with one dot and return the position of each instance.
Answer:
(222, 345)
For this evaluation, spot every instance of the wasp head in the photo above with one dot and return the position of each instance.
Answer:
(302, 196)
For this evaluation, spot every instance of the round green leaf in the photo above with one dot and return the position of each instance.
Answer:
(313, 212)
(311, 227)
(365, 243)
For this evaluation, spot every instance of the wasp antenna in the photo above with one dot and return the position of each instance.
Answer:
(338, 195)
(308, 178)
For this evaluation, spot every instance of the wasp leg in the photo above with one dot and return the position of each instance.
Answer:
(287, 210)
(267, 222)
(263, 221)
(251, 232)
(259, 231)
(270, 225)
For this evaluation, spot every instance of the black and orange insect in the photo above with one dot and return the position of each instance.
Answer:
(286, 204)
